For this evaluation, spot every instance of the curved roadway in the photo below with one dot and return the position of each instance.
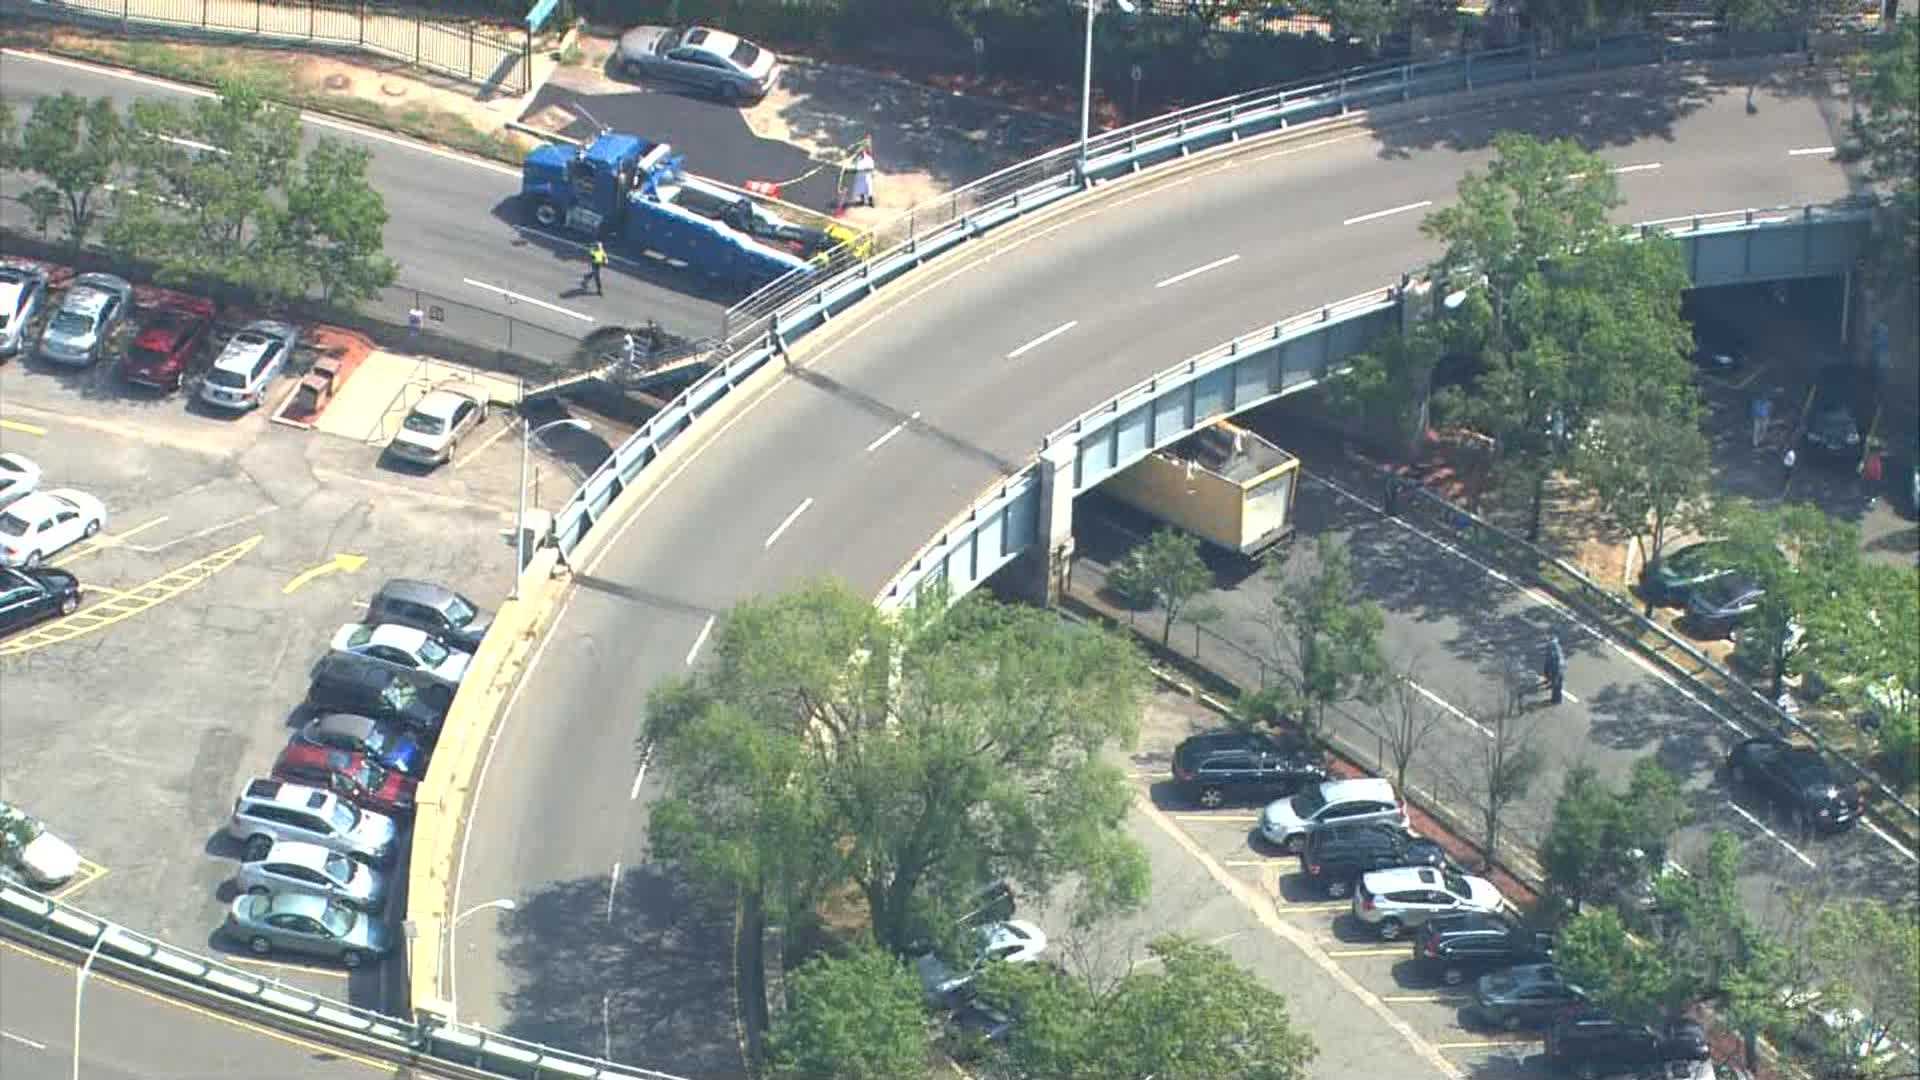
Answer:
(560, 820)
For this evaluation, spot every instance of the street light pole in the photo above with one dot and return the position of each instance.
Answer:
(1086, 80)
(79, 987)
(528, 433)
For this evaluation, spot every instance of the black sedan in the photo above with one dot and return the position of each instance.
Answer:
(1530, 995)
(30, 596)
(1798, 780)
(1716, 607)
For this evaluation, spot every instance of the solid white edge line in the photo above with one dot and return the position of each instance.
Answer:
(1648, 167)
(1043, 339)
(646, 759)
(891, 432)
(701, 639)
(613, 886)
(1421, 205)
(1448, 706)
(511, 295)
(791, 518)
(1554, 605)
(317, 119)
(1197, 271)
(1808, 151)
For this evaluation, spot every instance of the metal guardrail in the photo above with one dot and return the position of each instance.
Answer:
(465, 1051)
(766, 323)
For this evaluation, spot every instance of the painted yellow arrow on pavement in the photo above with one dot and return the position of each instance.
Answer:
(348, 563)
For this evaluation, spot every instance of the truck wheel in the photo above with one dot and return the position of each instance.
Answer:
(546, 214)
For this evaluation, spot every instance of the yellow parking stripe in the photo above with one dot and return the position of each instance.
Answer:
(24, 429)
(130, 602)
(89, 873)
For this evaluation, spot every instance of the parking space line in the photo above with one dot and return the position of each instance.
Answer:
(107, 540)
(1483, 1044)
(22, 1040)
(89, 873)
(1425, 999)
(1317, 906)
(1245, 862)
(1774, 836)
(1747, 380)
(1402, 951)
(125, 605)
(24, 429)
(485, 443)
(304, 969)
(1215, 817)
(155, 549)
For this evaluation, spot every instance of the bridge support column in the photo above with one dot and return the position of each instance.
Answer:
(1043, 571)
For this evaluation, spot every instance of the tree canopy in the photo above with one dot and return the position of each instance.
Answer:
(1188, 1012)
(830, 746)
(1887, 137)
(1603, 842)
(76, 147)
(1325, 642)
(852, 1017)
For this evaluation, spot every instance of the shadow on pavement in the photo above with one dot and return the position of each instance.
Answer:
(646, 980)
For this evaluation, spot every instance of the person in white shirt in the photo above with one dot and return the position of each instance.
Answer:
(863, 177)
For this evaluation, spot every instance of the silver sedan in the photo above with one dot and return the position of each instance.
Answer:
(711, 61)
(299, 922)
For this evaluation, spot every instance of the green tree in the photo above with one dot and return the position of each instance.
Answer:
(1804, 560)
(1887, 137)
(1860, 637)
(205, 201)
(1191, 1013)
(1407, 718)
(1868, 955)
(853, 1017)
(1324, 638)
(1499, 769)
(77, 148)
(1646, 470)
(333, 223)
(829, 746)
(1602, 842)
(1388, 386)
(9, 137)
(1624, 974)
(1169, 569)
(1572, 319)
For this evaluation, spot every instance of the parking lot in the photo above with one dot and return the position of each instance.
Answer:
(233, 549)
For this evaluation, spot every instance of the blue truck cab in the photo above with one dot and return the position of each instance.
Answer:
(631, 194)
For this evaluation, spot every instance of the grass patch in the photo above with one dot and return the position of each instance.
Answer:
(210, 66)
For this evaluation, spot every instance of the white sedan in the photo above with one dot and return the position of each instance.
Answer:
(43, 858)
(46, 522)
(405, 648)
(18, 477)
(436, 425)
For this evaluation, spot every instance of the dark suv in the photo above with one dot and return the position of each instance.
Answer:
(1215, 766)
(1592, 1043)
(1798, 780)
(1335, 857)
(1455, 948)
(342, 682)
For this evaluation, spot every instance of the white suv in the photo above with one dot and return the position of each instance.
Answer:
(1393, 900)
(250, 362)
(1285, 823)
(270, 810)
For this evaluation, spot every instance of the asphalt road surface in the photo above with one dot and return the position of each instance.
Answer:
(800, 490)
(454, 227)
(130, 1033)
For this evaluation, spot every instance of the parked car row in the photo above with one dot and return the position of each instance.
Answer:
(35, 525)
(320, 834)
(169, 342)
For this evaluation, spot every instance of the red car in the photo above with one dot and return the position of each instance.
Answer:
(169, 340)
(349, 775)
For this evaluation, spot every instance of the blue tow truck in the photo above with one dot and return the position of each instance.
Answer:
(632, 194)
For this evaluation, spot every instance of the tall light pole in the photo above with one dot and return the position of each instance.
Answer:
(505, 903)
(1086, 78)
(528, 433)
(79, 987)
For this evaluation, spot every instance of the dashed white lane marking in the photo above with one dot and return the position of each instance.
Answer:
(1043, 339)
(1624, 169)
(891, 432)
(1263, 910)
(22, 1040)
(797, 511)
(1776, 837)
(1810, 151)
(640, 774)
(1197, 271)
(1448, 706)
(1598, 635)
(701, 639)
(511, 295)
(613, 886)
(1421, 205)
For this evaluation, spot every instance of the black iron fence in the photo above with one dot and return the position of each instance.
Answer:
(499, 58)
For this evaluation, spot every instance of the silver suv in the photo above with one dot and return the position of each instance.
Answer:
(94, 307)
(248, 364)
(270, 810)
(1286, 822)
